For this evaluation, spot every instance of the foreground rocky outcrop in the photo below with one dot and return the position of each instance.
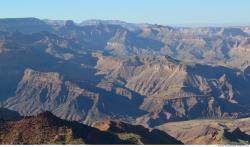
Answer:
(45, 128)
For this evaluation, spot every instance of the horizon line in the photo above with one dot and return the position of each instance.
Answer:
(195, 25)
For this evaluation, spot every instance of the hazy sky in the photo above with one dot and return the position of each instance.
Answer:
(150, 11)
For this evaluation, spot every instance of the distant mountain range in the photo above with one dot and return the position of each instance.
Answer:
(136, 73)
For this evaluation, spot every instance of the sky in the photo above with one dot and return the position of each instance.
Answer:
(165, 12)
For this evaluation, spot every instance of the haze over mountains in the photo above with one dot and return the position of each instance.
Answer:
(140, 74)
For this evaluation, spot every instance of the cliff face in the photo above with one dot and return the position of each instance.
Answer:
(39, 91)
(175, 90)
(155, 89)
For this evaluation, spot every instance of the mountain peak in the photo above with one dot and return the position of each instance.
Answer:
(46, 114)
(69, 23)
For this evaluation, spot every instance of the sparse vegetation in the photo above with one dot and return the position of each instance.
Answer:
(131, 137)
